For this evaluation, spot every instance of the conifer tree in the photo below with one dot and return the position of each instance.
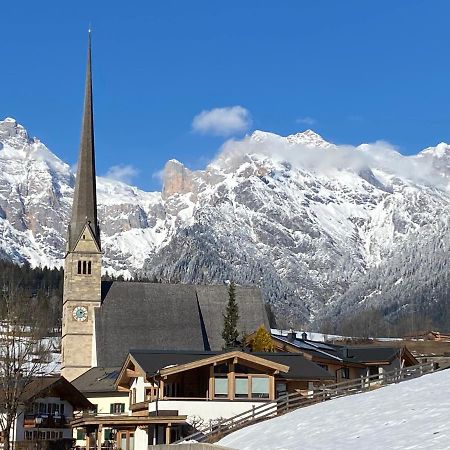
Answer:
(230, 333)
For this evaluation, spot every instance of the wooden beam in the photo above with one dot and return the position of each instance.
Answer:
(130, 373)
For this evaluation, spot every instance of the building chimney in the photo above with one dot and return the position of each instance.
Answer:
(304, 336)
(292, 335)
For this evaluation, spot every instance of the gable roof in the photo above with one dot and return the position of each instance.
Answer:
(290, 365)
(55, 386)
(221, 357)
(168, 317)
(97, 380)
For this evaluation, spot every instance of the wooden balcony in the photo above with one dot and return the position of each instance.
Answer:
(45, 421)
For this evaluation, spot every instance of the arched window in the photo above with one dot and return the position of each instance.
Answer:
(84, 267)
(89, 267)
(79, 267)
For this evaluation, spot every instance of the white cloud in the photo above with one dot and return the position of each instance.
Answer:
(222, 121)
(122, 172)
(306, 120)
(377, 155)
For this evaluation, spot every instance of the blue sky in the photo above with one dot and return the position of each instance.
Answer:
(353, 71)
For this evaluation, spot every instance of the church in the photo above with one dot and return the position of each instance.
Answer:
(103, 320)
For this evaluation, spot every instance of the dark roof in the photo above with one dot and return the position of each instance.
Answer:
(342, 353)
(55, 386)
(371, 353)
(327, 353)
(84, 209)
(97, 379)
(168, 317)
(299, 368)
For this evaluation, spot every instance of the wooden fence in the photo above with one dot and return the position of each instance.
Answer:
(296, 400)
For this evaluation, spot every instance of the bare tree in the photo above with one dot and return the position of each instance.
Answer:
(25, 353)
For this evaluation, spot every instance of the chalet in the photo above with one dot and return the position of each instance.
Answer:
(343, 361)
(46, 409)
(171, 393)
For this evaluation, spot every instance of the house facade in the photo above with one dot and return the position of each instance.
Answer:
(173, 393)
(46, 409)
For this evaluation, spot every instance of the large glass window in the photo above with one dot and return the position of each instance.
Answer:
(241, 387)
(260, 387)
(220, 387)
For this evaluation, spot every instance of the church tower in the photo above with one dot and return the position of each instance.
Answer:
(83, 259)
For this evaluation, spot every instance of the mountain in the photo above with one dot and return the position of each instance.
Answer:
(303, 218)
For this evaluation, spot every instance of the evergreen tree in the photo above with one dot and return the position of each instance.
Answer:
(230, 333)
(262, 342)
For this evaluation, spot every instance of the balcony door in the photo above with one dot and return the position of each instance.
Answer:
(125, 439)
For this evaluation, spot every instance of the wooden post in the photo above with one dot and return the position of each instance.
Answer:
(99, 437)
(88, 440)
(167, 433)
(211, 382)
(362, 382)
(231, 381)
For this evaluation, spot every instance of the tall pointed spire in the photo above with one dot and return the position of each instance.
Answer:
(84, 210)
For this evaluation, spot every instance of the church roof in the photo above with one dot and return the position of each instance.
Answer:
(168, 317)
(84, 210)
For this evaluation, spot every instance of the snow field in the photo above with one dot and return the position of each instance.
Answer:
(414, 414)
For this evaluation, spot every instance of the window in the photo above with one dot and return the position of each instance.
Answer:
(89, 267)
(345, 373)
(220, 387)
(79, 268)
(241, 387)
(81, 434)
(84, 267)
(108, 434)
(260, 387)
(324, 366)
(117, 408)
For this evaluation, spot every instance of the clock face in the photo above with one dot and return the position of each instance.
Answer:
(80, 313)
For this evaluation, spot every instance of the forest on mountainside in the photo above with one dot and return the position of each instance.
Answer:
(39, 289)
(408, 293)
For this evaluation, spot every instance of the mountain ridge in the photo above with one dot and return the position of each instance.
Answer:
(303, 218)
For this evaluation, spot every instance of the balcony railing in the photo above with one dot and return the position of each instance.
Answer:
(45, 421)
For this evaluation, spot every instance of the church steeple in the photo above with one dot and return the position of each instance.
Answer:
(84, 210)
(83, 259)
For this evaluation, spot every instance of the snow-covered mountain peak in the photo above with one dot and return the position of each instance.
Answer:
(10, 129)
(308, 137)
(442, 150)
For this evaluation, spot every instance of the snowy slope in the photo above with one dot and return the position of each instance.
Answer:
(301, 217)
(410, 415)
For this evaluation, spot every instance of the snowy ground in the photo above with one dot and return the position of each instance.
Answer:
(412, 415)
